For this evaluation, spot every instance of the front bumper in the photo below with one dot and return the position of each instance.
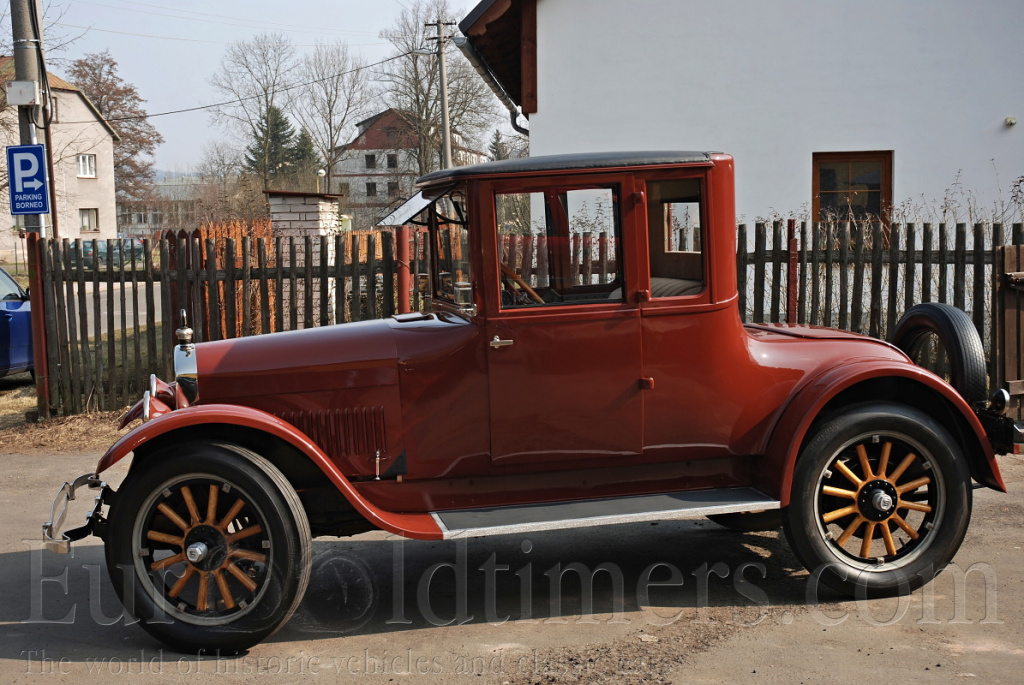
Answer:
(60, 542)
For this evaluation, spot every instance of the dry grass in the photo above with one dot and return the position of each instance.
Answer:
(92, 432)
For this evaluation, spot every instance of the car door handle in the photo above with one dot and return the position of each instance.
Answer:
(498, 342)
(9, 316)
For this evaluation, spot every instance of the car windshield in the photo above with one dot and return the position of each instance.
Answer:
(449, 236)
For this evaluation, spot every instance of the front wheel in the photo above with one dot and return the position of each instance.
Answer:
(881, 500)
(209, 547)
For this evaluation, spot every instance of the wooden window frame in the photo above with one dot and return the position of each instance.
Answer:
(92, 213)
(88, 170)
(883, 156)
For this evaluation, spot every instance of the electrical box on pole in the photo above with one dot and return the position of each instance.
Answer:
(23, 93)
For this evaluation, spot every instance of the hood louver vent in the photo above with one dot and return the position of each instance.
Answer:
(352, 432)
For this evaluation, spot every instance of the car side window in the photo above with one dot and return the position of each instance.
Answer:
(9, 290)
(559, 247)
(676, 239)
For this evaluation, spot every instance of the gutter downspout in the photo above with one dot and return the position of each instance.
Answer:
(485, 73)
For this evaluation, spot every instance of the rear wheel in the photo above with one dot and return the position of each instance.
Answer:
(881, 500)
(209, 547)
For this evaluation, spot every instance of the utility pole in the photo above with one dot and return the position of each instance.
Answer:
(26, 68)
(28, 44)
(446, 131)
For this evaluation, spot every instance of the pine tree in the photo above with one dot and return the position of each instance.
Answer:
(271, 153)
(497, 149)
(304, 154)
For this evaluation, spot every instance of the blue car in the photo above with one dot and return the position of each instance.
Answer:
(15, 327)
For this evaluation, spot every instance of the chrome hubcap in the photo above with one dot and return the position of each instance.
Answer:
(196, 552)
(881, 501)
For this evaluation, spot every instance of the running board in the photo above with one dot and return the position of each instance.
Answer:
(528, 518)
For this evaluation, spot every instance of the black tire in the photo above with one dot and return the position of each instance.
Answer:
(246, 586)
(750, 521)
(942, 339)
(830, 515)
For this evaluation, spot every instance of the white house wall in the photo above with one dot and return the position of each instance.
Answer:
(74, 193)
(774, 82)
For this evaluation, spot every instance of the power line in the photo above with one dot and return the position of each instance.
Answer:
(251, 97)
(232, 21)
(187, 40)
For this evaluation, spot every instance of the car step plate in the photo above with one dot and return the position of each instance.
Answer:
(600, 512)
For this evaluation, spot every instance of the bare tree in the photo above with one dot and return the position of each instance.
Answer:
(224, 190)
(56, 37)
(337, 95)
(410, 84)
(256, 75)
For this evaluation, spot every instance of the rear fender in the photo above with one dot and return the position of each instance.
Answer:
(420, 526)
(775, 470)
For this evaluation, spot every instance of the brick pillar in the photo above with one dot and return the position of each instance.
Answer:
(295, 216)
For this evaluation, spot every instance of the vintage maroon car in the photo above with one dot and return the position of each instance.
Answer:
(608, 379)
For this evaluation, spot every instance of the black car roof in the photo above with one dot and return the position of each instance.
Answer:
(574, 162)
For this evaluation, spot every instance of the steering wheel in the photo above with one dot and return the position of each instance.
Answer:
(518, 280)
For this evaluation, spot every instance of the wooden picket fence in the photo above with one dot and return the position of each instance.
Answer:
(105, 337)
(863, 276)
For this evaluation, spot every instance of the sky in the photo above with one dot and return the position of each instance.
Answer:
(169, 51)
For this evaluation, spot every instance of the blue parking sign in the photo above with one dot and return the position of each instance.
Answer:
(26, 176)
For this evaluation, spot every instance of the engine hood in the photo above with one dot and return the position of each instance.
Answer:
(351, 355)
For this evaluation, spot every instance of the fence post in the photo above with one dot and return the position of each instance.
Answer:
(404, 281)
(741, 268)
(777, 252)
(39, 340)
(791, 273)
(759, 258)
(995, 330)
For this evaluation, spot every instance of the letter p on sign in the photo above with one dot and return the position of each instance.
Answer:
(25, 169)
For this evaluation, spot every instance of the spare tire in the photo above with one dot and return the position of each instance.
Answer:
(942, 339)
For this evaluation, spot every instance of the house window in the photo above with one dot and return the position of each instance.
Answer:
(371, 190)
(90, 220)
(86, 166)
(54, 119)
(371, 161)
(852, 186)
(392, 188)
(392, 161)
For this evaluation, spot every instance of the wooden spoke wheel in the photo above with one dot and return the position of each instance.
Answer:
(204, 546)
(880, 500)
(208, 546)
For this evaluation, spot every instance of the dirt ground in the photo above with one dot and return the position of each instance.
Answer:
(676, 602)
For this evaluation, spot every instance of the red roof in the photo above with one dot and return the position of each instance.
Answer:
(56, 83)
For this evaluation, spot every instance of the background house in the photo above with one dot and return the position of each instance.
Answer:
(83, 164)
(824, 105)
(378, 168)
(171, 207)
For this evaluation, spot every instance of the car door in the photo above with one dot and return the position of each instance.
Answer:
(563, 341)
(15, 326)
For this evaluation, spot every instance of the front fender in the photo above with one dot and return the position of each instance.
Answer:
(776, 468)
(420, 526)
